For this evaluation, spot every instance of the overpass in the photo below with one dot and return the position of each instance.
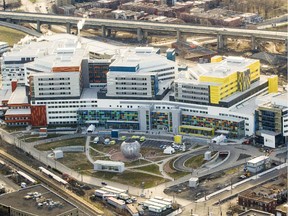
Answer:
(143, 27)
(21, 28)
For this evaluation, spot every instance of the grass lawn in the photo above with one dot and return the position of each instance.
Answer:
(129, 178)
(10, 36)
(175, 173)
(136, 162)
(153, 168)
(33, 138)
(195, 162)
(105, 148)
(68, 142)
(76, 161)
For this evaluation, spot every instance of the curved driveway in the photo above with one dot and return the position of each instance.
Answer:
(179, 162)
(235, 151)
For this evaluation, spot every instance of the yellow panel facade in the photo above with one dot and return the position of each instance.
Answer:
(216, 59)
(273, 84)
(214, 94)
(212, 79)
(254, 70)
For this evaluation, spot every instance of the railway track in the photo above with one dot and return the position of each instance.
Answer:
(82, 204)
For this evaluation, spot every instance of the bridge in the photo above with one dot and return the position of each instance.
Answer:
(144, 27)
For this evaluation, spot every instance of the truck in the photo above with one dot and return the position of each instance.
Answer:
(124, 196)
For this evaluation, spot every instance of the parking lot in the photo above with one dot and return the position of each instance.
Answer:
(156, 144)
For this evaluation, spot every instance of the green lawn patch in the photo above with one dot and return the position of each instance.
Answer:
(76, 161)
(10, 36)
(104, 148)
(68, 142)
(175, 173)
(136, 162)
(195, 162)
(153, 168)
(33, 138)
(130, 178)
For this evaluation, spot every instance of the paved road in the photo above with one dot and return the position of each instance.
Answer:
(179, 162)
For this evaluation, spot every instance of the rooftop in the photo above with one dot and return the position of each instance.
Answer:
(18, 112)
(277, 101)
(282, 208)
(18, 96)
(258, 159)
(250, 194)
(146, 57)
(254, 212)
(109, 163)
(18, 201)
(221, 69)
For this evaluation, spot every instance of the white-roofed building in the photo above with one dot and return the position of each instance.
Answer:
(257, 164)
(140, 73)
(109, 166)
(19, 112)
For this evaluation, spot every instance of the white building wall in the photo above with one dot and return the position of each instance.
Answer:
(12, 67)
(128, 85)
(285, 122)
(55, 85)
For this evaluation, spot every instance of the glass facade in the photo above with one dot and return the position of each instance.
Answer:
(196, 131)
(98, 72)
(115, 119)
(236, 129)
(161, 121)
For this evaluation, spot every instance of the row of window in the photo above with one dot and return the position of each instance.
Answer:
(17, 118)
(192, 87)
(131, 93)
(61, 88)
(47, 79)
(55, 93)
(12, 69)
(61, 117)
(63, 83)
(56, 112)
(131, 88)
(193, 97)
(72, 106)
(130, 83)
(66, 102)
(128, 78)
(164, 69)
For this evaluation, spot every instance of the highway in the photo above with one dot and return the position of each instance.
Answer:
(83, 205)
(142, 25)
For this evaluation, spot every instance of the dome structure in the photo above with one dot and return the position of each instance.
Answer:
(130, 150)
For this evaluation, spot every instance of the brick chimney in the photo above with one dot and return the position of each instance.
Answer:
(14, 84)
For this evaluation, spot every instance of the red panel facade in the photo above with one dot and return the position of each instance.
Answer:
(38, 115)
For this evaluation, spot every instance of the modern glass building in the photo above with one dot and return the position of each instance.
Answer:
(114, 119)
